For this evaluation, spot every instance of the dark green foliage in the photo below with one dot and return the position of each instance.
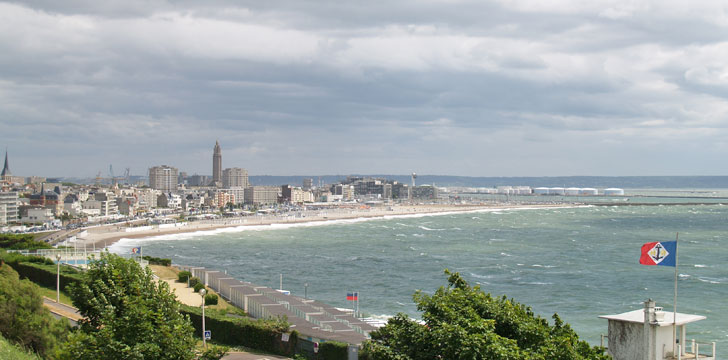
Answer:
(14, 258)
(213, 352)
(183, 276)
(23, 319)
(199, 286)
(463, 322)
(159, 261)
(41, 270)
(263, 335)
(21, 242)
(194, 281)
(128, 315)
(333, 350)
(211, 299)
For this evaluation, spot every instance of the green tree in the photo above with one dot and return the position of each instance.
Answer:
(127, 315)
(21, 242)
(23, 319)
(463, 322)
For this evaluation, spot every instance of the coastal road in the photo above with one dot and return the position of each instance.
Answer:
(62, 310)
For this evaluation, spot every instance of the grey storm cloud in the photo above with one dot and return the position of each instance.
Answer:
(497, 88)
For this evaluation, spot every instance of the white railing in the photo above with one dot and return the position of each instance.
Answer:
(69, 256)
(691, 350)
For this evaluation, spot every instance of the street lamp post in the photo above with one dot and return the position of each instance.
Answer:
(58, 278)
(202, 294)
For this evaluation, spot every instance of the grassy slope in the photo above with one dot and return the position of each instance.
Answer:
(9, 351)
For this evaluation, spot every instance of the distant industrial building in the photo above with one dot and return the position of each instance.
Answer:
(35, 180)
(295, 195)
(105, 203)
(37, 216)
(346, 192)
(424, 192)
(198, 180)
(163, 178)
(182, 178)
(262, 195)
(223, 198)
(307, 184)
(238, 192)
(235, 177)
(51, 200)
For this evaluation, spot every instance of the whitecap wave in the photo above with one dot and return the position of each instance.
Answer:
(429, 229)
(711, 280)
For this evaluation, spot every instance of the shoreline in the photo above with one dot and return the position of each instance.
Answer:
(98, 238)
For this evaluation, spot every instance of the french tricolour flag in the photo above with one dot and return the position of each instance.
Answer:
(352, 296)
(659, 253)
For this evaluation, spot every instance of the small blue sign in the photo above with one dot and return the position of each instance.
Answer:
(208, 334)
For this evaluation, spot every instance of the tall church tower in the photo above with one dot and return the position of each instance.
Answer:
(5, 175)
(217, 165)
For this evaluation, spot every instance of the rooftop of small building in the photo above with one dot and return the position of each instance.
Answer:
(638, 316)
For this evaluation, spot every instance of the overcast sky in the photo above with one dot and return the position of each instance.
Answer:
(476, 88)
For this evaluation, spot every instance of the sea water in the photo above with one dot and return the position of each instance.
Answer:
(579, 262)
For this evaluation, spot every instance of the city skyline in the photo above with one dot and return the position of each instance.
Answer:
(499, 88)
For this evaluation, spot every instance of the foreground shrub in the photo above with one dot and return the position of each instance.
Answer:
(23, 319)
(158, 261)
(183, 276)
(21, 242)
(199, 286)
(463, 322)
(127, 315)
(210, 299)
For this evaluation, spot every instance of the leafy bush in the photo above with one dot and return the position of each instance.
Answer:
(14, 258)
(23, 319)
(210, 299)
(263, 335)
(127, 315)
(213, 352)
(199, 286)
(41, 270)
(183, 276)
(21, 242)
(463, 322)
(333, 350)
(158, 261)
(194, 281)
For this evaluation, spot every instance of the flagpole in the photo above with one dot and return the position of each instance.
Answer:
(674, 306)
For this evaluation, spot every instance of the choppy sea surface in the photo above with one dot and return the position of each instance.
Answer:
(580, 262)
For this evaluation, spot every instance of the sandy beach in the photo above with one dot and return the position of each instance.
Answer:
(103, 236)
